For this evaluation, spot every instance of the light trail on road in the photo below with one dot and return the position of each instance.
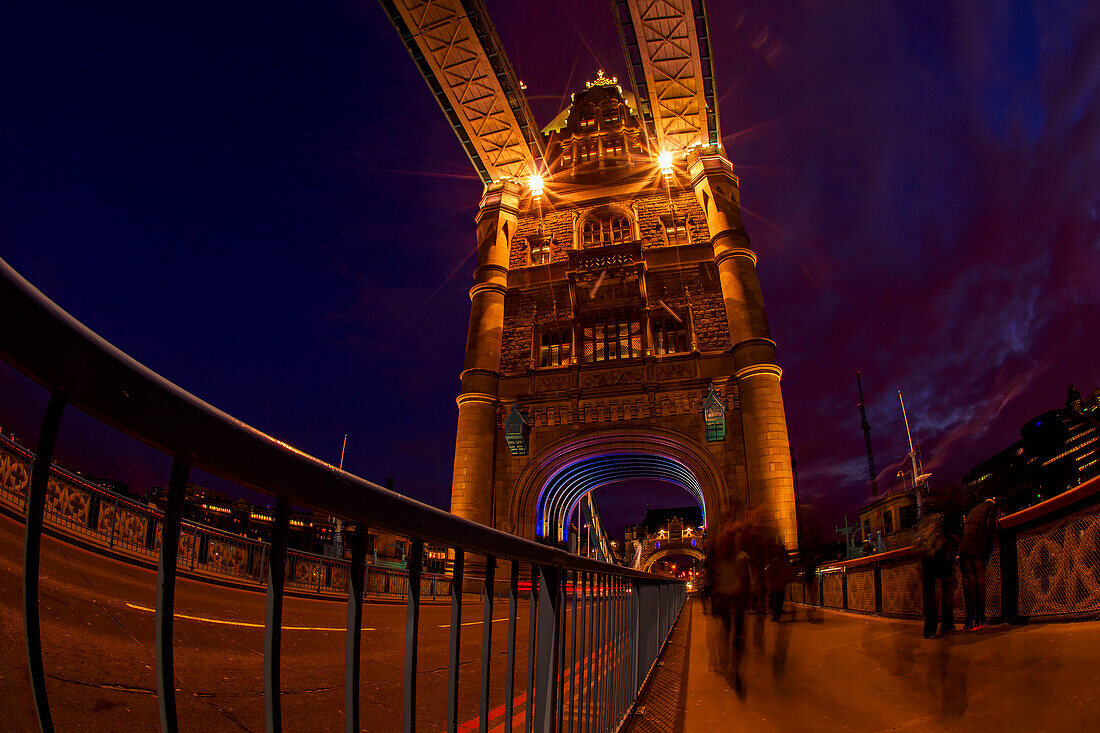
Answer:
(472, 623)
(224, 622)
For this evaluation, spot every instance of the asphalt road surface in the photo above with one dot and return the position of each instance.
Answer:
(98, 639)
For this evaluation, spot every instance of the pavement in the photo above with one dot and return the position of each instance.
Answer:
(864, 673)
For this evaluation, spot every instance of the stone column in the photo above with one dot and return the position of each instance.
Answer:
(472, 483)
(767, 447)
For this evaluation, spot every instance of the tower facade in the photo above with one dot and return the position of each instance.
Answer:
(617, 332)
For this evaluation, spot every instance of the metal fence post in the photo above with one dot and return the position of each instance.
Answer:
(546, 682)
(510, 665)
(166, 595)
(273, 621)
(114, 521)
(455, 642)
(844, 588)
(412, 631)
(878, 587)
(35, 503)
(486, 641)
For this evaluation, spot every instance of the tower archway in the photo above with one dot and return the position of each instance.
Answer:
(552, 484)
(655, 557)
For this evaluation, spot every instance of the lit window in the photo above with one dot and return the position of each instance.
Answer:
(586, 152)
(613, 147)
(669, 336)
(620, 229)
(539, 250)
(555, 346)
(588, 119)
(567, 158)
(675, 228)
(611, 116)
(612, 336)
(611, 230)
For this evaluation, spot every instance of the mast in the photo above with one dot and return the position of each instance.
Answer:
(867, 439)
(912, 455)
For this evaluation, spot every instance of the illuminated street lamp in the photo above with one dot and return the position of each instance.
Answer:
(534, 182)
(664, 162)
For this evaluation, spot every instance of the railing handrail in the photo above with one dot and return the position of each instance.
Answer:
(119, 391)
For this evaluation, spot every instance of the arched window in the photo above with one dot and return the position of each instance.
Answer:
(554, 346)
(591, 232)
(670, 336)
(607, 229)
(539, 250)
(620, 229)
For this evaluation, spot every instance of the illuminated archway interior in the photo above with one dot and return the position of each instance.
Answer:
(567, 487)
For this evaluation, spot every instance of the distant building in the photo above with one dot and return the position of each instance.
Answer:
(891, 518)
(308, 532)
(674, 524)
(1057, 450)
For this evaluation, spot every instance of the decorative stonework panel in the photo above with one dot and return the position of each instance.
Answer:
(338, 579)
(187, 549)
(226, 556)
(129, 528)
(67, 501)
(861, 589)
(554, 383)
(665, 372)
(306, 571)
(1059, 566)
(613, 378)
(15, 474)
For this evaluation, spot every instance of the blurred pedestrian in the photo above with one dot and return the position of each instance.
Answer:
(731, 586)
(975, 547)
(777, 574)
(937, 541)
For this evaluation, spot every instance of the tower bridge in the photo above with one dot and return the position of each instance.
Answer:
(617, 327)
(617, 332)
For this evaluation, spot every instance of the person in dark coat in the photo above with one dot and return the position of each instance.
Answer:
(941, 565)
(975, 547)
(730, 588)
(777, 574)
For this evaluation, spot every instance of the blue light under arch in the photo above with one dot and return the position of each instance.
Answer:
(559, 497)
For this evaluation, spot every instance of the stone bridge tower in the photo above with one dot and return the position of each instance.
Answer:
(617, 329)
(612, 306)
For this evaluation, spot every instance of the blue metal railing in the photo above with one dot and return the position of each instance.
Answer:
(619, 617)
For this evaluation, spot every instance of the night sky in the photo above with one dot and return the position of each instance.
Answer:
(265, 204)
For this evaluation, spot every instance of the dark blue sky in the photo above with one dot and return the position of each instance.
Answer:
(265, 204)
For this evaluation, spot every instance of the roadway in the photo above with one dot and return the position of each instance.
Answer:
(98, 639)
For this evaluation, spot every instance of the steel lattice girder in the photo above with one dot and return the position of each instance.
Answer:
(667, 49)
(457, 50)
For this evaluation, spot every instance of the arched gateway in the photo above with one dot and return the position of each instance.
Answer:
(555, 480)
(617, 331)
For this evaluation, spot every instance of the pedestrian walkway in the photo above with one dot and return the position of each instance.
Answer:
(873, 674)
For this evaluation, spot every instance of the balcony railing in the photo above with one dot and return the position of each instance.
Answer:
(595, 630)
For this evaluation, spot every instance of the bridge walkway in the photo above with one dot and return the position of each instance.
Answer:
(851, 671)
